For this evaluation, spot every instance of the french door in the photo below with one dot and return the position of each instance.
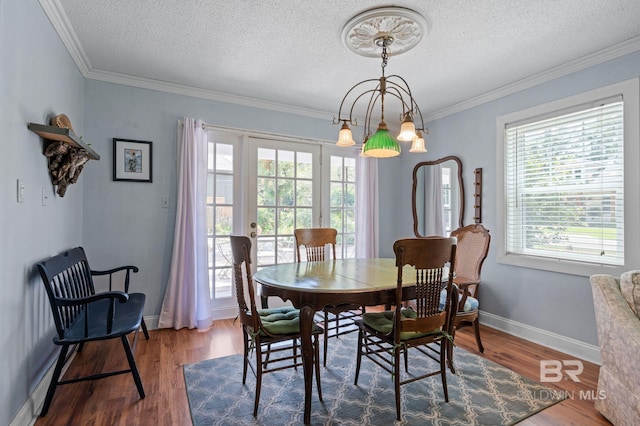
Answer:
(285, 189)
(265, 188)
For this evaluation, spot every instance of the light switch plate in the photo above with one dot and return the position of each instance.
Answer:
(20, 191)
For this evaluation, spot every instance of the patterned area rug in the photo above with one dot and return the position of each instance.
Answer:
(480, 393)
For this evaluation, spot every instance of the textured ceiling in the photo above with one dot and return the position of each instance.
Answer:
(289, 53)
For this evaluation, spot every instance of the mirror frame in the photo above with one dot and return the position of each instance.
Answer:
(415, 185)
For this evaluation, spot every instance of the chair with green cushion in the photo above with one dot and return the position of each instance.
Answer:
(272, 334)
(383, 336)
(338, 319)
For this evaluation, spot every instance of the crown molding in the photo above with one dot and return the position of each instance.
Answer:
(54, 11)
(60, 22)
(195, 92)
(592, 59)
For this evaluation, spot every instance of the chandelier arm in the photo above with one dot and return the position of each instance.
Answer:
(413, 106)
(423, 128)
(406, 107)
(367, 118)
(354, 102)
(372, 91)
(404, 88)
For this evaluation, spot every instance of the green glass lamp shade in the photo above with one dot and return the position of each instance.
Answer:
(381, 144)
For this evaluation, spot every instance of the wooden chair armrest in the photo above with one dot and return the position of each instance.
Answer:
(464, 284)
(110, 272)
(121, 296)
(110, 295)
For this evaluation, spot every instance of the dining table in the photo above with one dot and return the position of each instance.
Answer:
(310, 286)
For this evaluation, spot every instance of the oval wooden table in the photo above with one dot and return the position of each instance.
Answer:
(310, 286)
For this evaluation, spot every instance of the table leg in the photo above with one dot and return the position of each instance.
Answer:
(306, 326)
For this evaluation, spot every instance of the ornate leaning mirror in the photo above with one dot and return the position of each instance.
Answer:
(438, 197)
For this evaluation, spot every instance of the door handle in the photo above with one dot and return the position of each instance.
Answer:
(253, 234)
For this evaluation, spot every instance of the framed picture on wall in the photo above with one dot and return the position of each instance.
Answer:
(132, 160)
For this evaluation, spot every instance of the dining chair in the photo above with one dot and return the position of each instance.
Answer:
(337, 319)
(473, 247)
(273, 334)
(383, 336)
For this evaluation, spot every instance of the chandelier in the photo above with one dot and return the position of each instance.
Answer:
(365, 34)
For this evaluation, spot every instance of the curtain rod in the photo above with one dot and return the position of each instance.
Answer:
(257, 133)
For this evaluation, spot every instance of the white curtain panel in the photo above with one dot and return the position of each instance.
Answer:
(433, 207)
(366, 207)
(186, 301)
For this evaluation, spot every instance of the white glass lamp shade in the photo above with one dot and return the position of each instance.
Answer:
(418, 143)
(345, 137)
(407, 130)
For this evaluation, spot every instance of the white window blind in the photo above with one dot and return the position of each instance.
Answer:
(564, 185)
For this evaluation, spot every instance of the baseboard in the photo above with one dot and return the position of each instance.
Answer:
(30, 410)
(152, 322)
(555, 341)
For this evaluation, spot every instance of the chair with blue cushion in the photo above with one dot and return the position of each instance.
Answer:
(384, 336)
(272, 333)
(473, 246)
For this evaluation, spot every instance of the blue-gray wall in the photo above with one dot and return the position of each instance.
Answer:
(37, 79)
(553, 302)
(122, 222)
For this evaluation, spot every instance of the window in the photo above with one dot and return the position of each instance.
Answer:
(564, 180)
(446, 199)
(342, 204)
(220, 205)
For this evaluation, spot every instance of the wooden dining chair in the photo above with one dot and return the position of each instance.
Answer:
(337, 319)
(273, 334)
(473, 247)
(383, 336)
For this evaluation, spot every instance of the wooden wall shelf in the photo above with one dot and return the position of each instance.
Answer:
(53, 133)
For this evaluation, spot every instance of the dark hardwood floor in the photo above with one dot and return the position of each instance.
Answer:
(114, 401)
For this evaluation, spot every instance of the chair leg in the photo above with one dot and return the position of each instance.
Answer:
(326, 337)
(449, 348)
(476, 326)
(54, 380)
(443, 367)
(132, 365)
(144, 329)
(245, 338)
(396, 379)
(316, 364)
(359, 358)
(258, 377)
(406, 360)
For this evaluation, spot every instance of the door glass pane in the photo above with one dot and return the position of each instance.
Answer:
(284, 201)
(342, 203)
(304, 193)
(220, 218)
(305, 165)
(286, 163)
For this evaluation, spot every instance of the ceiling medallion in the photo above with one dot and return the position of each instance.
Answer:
(404, 26)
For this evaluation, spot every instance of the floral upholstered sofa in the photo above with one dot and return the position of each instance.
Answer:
(617, 307)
